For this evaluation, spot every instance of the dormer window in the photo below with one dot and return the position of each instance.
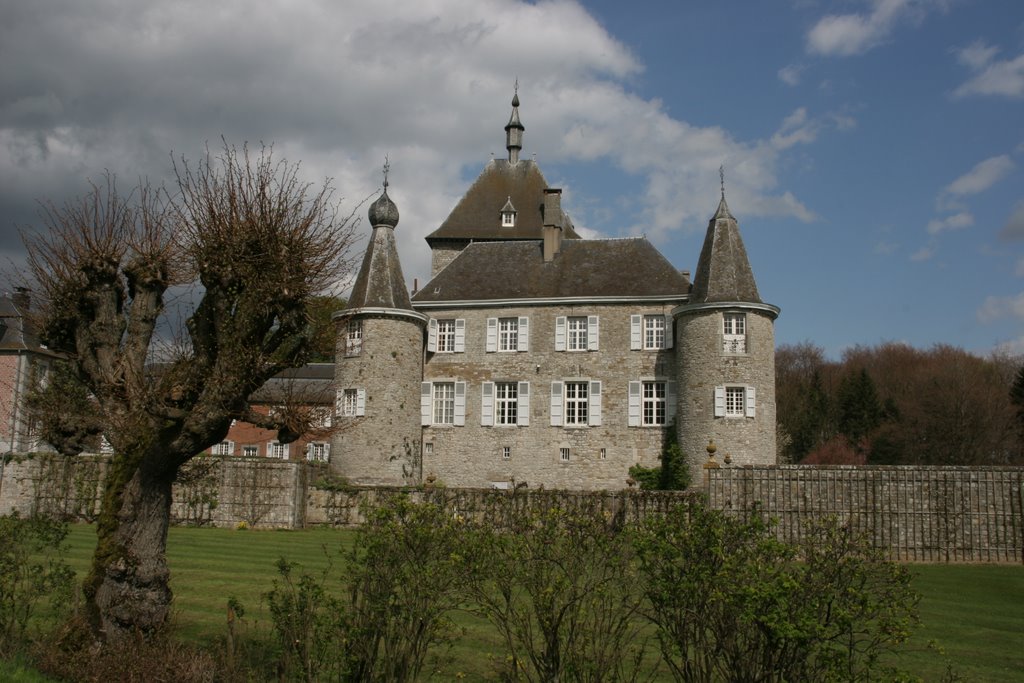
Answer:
(508, 215)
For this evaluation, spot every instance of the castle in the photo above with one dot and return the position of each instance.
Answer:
(534, 356)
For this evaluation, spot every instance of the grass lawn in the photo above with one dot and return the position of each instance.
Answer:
(973, 612)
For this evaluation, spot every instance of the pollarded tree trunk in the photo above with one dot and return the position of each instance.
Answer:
(128, 588)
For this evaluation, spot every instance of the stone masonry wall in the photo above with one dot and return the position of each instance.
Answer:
(703, 365)
(599, 456)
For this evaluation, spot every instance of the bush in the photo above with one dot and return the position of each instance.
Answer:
(561, 590)
(32, 574)
(730, 602)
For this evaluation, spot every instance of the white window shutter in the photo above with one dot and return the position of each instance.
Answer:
(670, 337)
(751, 402)
(671, 402)
(287, 447)
(560, 333)
(523, 339)
(425, 391)
(720, 401)
(339, 401)
(432, 335)
(592, 330)
(523, 405)
(594, 407)
(635, 389)
(327, 451)
(360, 402)
(460, 404)
(556, 402)
(636, 325)
(270, 449)
(487, 404)
(492, 334)
(460, 335)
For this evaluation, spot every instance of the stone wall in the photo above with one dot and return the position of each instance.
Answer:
(599, 456)
(919, 514)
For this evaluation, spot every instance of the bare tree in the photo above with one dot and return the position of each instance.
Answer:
(257, 243)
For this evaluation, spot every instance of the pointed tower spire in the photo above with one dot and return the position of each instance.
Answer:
(514, 130)
(723, 271)
(380, 283)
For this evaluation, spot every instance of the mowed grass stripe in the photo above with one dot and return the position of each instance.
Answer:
(972, 611)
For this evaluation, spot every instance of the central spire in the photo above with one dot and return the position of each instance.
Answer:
(514, 130)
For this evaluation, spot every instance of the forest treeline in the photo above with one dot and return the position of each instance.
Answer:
(894, 404)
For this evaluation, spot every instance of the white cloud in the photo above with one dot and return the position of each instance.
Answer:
(1000, 307)
(844, 35)
(984, 175)
(923, 254)
(957, 221)
(1000, 78)
(790, 75)
(1014, 228)
(340, 85)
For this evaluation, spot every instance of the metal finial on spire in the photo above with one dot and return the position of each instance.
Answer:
(721, 178)
(516, 86)
(387, 169)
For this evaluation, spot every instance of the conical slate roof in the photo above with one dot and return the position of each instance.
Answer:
(380, 283)
(723, 271)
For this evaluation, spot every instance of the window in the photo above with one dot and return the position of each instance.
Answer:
(734, 328)
(508, 334)
(276, 449)
(224, 448)
(354, 338)
(351, 402)
(443, 403)
(735, 401)
(563, 454)
(654, 331)
(446, 336)
(250, 451)
(505, 403)
(318, 451)
(576, 403)
(320, 418)
(603, 454)
(576, 333)
(652, 403)
(650, 332)
(508, 215)
(506, 452)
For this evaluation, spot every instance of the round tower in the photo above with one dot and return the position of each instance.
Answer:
(379, 365)
(725, 350)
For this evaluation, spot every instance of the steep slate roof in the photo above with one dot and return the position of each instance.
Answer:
(380, 283)
(311, 383)
(477, 216)
(582, 268)
(17, 333)
(723, 271)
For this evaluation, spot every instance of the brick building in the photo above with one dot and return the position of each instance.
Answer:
(535, 356)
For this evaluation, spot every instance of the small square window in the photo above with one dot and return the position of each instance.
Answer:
(428, 448)
(563, 454)
(250, 451)
(603, 453)
(506, 452)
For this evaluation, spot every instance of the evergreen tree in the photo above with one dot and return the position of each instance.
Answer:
(858, 410)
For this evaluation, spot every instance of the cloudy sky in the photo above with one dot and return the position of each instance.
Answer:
(873, 149)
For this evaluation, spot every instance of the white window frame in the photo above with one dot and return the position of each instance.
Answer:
(735, 401)
(506, 452)
(576, 403)
(354, 338)
(508, 334)
(443, 403)
(734, 332)
(351, 402)
(452, 339)
(250, 450)
(318, 451)
(576, 333)
(564, 454)
(225, 447)
(277, 450)
(516, 411)
(446, 336)
(508, 219)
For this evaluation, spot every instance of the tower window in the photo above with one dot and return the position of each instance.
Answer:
(508, 215)
(734, 332)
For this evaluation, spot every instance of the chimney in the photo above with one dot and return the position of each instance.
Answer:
(552, 231)
(22, 299)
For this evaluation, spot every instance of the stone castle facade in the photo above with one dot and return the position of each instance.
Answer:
(534, 356)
